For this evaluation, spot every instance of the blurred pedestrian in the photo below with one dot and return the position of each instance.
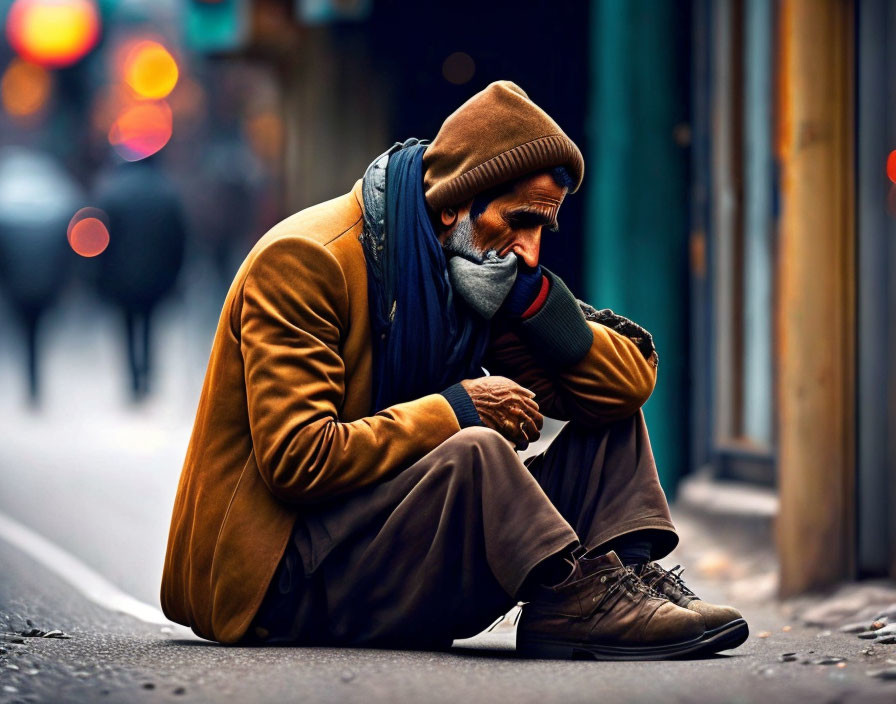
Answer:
(37, 199)
(147, 237)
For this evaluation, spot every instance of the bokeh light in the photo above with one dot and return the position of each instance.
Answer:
(88, 232)
(891, 166)
(25, 88)
(150, 70)
(141, 130)
(458, 68)
(53, 33)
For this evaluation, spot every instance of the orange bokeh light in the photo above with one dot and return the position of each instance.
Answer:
(891, 166)
(150, 70)
(53, 33)
(141, 130)
(88, 232)
(24, 88)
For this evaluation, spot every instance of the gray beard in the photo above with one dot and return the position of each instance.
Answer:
(460, 241)
(482, 279)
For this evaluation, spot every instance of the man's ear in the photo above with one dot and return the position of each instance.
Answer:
(449, 215)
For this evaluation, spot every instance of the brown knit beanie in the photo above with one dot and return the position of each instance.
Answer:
(494, 137)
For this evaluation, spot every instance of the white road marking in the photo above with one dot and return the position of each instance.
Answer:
(83, 578)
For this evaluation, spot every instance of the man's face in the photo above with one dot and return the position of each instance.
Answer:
(513, 222)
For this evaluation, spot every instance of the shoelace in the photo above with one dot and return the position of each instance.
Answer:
(632, 583)
(644, 586)
(677, 581)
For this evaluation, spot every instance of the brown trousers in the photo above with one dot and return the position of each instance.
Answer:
(440, 550)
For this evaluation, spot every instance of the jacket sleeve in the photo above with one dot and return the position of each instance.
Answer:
(579, 369)
(292, 324)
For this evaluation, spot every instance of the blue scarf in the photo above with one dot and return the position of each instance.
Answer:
(425, 338)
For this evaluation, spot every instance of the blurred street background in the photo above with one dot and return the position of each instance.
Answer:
(739, 202)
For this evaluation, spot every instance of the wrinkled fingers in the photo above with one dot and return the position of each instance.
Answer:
(530, 430)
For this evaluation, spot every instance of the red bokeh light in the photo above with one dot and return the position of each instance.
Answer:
(88, 232)
(891, 166)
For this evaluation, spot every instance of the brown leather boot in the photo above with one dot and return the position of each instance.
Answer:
(602, 610)
(724, 621)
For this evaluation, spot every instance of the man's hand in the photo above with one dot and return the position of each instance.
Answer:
(507, 407)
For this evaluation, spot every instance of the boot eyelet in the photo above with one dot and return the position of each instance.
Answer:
(603, 579)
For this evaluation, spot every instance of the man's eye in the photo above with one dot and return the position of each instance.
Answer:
(526, 221)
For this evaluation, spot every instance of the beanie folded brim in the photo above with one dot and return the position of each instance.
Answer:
(535, 155)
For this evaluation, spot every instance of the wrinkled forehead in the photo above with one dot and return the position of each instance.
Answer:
(538, 192)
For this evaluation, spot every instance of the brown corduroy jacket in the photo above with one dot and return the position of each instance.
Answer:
(284, 415)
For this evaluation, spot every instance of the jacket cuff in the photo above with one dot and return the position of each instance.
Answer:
(558, 333)
(463, 406)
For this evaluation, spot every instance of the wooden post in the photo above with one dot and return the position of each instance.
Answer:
(816, 278)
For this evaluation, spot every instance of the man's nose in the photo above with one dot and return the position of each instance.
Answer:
(526, 249)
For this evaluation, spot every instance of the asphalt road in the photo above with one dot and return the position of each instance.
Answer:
(96, 478)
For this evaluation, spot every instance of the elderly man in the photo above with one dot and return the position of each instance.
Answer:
(352, 477)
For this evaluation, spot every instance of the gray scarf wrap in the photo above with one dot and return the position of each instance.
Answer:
(483, 285)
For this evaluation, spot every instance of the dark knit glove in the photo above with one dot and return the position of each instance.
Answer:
(524, 292)
(557, 333)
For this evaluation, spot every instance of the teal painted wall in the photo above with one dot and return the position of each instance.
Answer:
(638, 193)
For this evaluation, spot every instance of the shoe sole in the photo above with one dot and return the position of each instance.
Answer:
(565, 650)
(731, 635)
